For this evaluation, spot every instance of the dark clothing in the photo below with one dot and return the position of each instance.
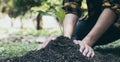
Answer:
(95, 8)
(83, 28)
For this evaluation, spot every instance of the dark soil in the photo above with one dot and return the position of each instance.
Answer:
(61, 50)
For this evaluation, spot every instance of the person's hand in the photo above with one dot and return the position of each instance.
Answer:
(85, 49)
(44, 44)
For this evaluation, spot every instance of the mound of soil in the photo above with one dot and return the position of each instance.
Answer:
(61, 50)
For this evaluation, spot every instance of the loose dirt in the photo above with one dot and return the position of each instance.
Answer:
(61, 50)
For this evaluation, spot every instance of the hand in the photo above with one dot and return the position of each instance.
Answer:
(85, 49)
(43, 45)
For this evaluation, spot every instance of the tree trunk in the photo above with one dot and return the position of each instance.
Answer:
(39, 22)
(21, 21)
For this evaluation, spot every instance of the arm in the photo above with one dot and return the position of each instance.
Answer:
(104, 22)
(111, 11)
(68, 24)
(73, 11)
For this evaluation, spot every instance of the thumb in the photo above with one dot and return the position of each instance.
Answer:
(75, 41)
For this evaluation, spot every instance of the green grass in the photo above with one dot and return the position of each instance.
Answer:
(43, 32)
(19, 48)
(112, 48)
(16, 49)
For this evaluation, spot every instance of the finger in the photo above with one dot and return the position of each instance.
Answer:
(41, 46)
(53, 37)
(75, 41)
(82, 47)
(93, 54)
(46, 42)
(85, 51)
(89, 54)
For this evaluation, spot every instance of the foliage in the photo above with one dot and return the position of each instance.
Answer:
(52, 7)
(47, 7)
(20, 7)
(60, 13)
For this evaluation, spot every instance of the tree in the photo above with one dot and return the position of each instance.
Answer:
(20, 7)
(41, 7)
(49, 7)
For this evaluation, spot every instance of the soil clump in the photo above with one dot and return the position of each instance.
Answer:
(61, 50)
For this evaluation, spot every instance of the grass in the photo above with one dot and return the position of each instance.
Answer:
(43, 32)
(112, 48)
(19, 48)
(15, 49)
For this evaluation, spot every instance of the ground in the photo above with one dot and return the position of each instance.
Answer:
(61, 50)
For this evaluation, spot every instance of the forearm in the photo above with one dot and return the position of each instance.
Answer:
(105, 20)
(69, 23)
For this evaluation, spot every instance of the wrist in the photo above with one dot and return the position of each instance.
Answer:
(89, 41)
